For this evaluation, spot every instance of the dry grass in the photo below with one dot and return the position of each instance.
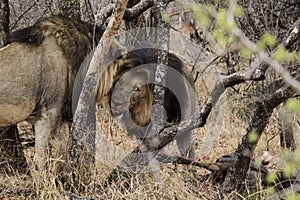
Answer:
(220, 136)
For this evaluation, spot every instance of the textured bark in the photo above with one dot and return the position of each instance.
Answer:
(86, 12)
(89, 85)
(235, 176)
(136, 10)
(157, 116)
(130, 14)
(199, 119)
(4, 20)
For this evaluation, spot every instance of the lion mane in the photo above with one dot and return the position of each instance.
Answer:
(127, 88)
(38, 69)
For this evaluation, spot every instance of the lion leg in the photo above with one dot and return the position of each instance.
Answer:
(46, 126)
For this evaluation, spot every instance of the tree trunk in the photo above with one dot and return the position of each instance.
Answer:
(158, 118)
(93, 74)
(236, 175)
(4, 20)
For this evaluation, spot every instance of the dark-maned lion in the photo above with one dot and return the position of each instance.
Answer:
(131, 94)
(37, 71)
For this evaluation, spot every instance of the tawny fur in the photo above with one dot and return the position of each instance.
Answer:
(38, 69)
(116, 85)
(37, 72)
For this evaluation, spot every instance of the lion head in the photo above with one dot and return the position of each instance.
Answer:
(131, 91)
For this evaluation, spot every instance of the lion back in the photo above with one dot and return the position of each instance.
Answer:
(75, 38)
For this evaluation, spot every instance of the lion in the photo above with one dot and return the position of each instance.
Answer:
(38, 69)
(37, 72)
(130, 94)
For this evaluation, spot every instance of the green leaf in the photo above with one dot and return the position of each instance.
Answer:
(219, 36)
(238, 11)
(293, 196)
(261, 45)
(271, 191)
(293, 105)
(268, 39)
(246, 53)
(281, 54)
(165, 17)
(221, 18)
(201, 16)
(253, 137)
(297, 158)
(289, 170)
(271, 177)
(298, 56)
(258, 163)
(232, 39)
(222, 22)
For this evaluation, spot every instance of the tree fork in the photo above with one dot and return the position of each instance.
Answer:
(236, 174)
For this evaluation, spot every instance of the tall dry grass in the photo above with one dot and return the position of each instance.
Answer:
(220, 136)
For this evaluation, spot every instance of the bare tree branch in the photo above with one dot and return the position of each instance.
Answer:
(290, 38)
(137, 10)
(86, 13)
(130, 13)
(91, 79)
(157, 118)
(235, 177)
(104, 14)
(199, 119)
